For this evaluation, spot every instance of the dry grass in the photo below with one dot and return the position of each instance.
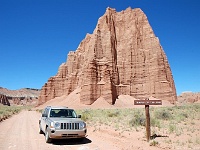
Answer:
(178, 122)
(8, 111)
(135, 117)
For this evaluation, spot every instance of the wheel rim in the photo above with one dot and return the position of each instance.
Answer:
(47, 136)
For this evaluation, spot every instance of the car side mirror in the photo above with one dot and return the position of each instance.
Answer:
(44, 115)
(79, 116)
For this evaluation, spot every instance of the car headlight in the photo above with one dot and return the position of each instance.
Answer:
(83, 125)
(51, 125)
(57, 125)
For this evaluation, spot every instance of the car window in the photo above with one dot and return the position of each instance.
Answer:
(63, 113)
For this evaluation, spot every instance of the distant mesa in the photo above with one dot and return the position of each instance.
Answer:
(24, 96)
(189, 97)
(121, 57)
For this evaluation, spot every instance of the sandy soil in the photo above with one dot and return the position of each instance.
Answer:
(20, 132)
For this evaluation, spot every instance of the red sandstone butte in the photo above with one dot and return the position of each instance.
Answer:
(121, 56)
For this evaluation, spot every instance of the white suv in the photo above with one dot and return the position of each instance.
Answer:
(61, 123)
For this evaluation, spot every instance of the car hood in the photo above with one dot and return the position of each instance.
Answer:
(66, 119)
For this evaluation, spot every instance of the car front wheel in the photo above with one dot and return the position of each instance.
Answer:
(47, 138)
(40, 131)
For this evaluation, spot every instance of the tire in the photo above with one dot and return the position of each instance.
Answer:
(40, 131)
(47, 138)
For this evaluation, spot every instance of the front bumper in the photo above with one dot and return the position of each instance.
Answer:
(66, 134)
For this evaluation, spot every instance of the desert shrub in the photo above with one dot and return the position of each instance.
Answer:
(8, 111)
(125, 119)
(113, 114)
(39, 110)
(184, 115)
(86, 115)
(137, 120)
(181, 113)
(163, 114)
(153, 143)
(196, 107)
(181, 116)
(172, 128)
(155, 122)
(197, 140)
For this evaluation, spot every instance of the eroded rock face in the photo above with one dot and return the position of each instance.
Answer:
(122, 56)
(4, 100)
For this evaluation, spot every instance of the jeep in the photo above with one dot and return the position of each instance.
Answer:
(61, 123)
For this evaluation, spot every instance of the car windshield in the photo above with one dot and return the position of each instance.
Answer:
(63, 113)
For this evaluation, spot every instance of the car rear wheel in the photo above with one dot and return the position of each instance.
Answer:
(47, 138)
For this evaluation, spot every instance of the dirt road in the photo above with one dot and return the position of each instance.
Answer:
(20, 132)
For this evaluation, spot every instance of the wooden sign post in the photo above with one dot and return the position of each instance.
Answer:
(147, 102)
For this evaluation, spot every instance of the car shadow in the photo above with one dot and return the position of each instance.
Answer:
(71, 141)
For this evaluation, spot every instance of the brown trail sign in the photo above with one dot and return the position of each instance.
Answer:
(147, 102)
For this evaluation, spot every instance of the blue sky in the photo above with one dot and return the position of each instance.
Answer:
(36, 36)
